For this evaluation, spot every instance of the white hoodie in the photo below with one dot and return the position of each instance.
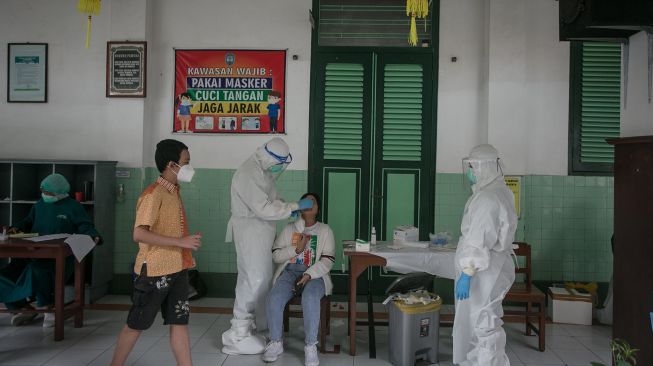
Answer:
(283, 250)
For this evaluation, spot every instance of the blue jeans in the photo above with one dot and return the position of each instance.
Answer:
(281, 293)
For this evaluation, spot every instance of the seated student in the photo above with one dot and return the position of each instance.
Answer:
(306, 251)
(23, 278)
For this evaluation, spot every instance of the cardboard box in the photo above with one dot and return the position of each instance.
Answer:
(569, 306)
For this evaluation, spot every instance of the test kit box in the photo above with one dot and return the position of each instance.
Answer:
(569, 306)
(362, 246)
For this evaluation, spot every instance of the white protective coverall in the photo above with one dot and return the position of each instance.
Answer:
(255, 206)
(484, 252)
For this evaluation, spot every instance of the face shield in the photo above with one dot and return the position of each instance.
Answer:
(281, 165)
(468, 175)
(482, 171)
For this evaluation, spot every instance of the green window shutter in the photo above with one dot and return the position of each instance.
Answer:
(402, 112)
(600, 100)
(343, 111)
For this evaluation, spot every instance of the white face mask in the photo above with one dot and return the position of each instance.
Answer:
(185, 173)
(185, 102)
(52, 199)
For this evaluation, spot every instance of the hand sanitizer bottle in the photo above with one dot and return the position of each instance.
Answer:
(373, 237)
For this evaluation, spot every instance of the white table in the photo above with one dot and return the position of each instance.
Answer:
(436, 261)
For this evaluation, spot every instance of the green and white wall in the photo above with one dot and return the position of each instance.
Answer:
(567, 219)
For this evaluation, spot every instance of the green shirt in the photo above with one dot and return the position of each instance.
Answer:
(64, 216)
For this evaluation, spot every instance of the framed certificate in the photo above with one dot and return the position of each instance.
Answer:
(27, 72)
(126, 69)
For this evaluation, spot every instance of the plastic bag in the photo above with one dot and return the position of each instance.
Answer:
(441, 238)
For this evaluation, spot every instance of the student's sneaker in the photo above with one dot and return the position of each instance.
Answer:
(310, 356)
(22, 318)
(272, 351)
(48, 320)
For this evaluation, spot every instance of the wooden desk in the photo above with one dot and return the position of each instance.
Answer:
(358, 263)
(57, 250)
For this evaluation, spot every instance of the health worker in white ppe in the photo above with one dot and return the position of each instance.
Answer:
(255, 207)
(485, 270)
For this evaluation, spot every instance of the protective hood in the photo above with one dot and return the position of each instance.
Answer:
(486, 165)
(276, 146)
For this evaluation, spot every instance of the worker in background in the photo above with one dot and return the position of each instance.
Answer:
(24, 280)
(255, 208)
(485, 270)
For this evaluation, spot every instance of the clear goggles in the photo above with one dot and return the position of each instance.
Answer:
(283, 161)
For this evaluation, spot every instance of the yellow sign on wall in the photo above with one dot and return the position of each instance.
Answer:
(514, 184)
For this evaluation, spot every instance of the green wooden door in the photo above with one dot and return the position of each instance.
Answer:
(340, 151)
(372, 155)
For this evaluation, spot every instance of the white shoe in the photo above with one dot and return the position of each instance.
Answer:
(272, 351)
(48, 320)
(22, 318)
(234, 344)
(310, 356)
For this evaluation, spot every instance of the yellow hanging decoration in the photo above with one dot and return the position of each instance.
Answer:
(90, 7)
(412, 36)
(416, 9)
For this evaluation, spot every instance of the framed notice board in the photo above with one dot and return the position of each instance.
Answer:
(126, 69)
(27, 72)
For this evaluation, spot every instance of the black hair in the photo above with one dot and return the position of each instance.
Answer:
(317, 201)
(166, 151)
(187, 95)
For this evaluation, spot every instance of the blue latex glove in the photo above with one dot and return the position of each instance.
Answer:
(305, 204)
(294, 214)
(462, 286)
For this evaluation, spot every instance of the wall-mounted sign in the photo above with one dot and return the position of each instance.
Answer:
(123, 173)
(514, 184)
(27, 72)
(229, 91)
(126, 69)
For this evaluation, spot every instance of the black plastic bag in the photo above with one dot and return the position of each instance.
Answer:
(196, 286)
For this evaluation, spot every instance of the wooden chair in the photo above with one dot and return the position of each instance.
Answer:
(524, 292)
(325, 320)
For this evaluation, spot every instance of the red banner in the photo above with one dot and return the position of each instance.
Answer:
(229, 91)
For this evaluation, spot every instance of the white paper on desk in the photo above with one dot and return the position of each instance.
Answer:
(37, 239)
(81, 245)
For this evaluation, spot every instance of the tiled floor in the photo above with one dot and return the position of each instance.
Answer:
(93, 344)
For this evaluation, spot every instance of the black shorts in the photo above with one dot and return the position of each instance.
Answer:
(168, 293)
